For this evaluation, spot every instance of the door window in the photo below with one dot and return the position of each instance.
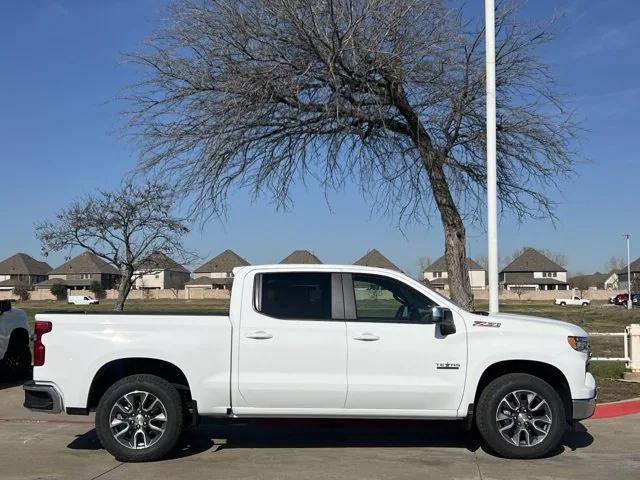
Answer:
(383, 299)
(297, 295)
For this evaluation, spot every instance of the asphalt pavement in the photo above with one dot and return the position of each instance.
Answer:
(41, 446)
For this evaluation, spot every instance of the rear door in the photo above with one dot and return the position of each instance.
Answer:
(398, 359)
(292, 343)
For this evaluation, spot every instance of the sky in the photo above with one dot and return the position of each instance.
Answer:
(62, 71)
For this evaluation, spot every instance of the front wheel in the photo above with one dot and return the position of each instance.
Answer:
(521, 416)
(139, 418)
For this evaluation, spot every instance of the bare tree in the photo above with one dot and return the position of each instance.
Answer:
(518, 290)
(423, 263)
(614, 264)
(483, 261)
(582, 282)
(123, 227)
(387, 93)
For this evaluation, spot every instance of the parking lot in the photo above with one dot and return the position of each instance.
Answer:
(65, 447)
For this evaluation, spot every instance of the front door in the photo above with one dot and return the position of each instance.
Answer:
(293, 349)
(398, 359)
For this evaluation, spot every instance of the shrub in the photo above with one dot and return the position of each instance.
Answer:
(59, 290)
(98, 290)
(22, 292)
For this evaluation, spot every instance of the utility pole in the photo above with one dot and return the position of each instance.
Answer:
(629, 301)
(492, 207)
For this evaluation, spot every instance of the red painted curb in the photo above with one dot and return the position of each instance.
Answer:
(617, 409)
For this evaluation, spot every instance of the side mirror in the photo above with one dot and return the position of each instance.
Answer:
(5, 306)
(443, 317)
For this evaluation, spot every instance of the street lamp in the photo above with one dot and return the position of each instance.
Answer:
(629, 301)
(492, 208)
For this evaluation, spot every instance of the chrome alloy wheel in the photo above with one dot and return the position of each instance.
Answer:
(138, 419)
(523, 418)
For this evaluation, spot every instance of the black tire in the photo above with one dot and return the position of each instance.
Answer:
(169, 398)
(585, 304)
(490, 399)
(563, 304)
(16, 364)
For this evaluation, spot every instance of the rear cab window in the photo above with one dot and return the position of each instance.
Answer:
(294, 295)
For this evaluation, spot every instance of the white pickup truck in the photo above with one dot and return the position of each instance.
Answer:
(574, 300)
(314, 341)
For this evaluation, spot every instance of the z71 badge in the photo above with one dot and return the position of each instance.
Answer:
(482, 323)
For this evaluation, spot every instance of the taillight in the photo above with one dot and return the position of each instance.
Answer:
(39, 329)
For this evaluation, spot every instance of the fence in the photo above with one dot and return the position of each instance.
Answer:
(147, 294)
(631, 347)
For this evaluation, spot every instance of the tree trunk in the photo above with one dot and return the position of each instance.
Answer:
(455, 252)
(454, 233)
(124, 288)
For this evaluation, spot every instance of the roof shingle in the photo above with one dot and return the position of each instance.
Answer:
(373, 258)
(23, 264)
(208, 281)
(160, 261)
(440, 265)
(301, 257)
(224, 262)
(86, 262)
(524, 278)
(634, 266)
(531, 260)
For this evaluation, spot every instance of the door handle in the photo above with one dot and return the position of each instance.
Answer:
(367, 337)
(260, 335)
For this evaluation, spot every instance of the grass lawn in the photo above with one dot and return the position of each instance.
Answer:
(598, 317)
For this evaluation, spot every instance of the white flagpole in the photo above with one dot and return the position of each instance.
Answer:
(492, 207)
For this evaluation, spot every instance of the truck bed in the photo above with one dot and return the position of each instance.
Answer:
(197, 344)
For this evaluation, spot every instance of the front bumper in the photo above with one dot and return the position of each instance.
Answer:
(42, 398)
(583, 409)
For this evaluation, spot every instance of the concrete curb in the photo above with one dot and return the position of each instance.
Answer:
(617, 409)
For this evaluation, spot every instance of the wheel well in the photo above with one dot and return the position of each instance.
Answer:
(118, 369)
(19, 335)
(550, 374)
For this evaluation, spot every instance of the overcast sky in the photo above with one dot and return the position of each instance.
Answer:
(61, 68)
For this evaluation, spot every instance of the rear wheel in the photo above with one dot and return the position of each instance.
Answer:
(521, 416)
(563, 304)
(16, 364)
(139, 418)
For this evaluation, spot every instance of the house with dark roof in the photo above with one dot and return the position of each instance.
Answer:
(532, 270)
(373, 258)
(22, 270)
(79, 272)
(301, 257)
(437, 274)
(159, 272)
(623, 276)
(593, 281)
(217, 273)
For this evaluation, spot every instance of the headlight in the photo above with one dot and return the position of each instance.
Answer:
(580, 344)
